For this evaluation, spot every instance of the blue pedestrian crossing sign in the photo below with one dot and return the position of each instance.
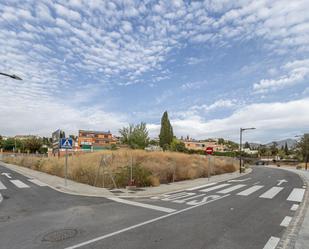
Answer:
(66, 143)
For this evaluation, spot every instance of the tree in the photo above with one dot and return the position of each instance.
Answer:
(286, 149)
(177, 145)
(136, 136)
(247, 145)
(154, 142)
(274, 149)
(262, 150)
(166, 132)
(303, 146)
(33, 144)
(220, 141)
(46, 141)
(8, 144)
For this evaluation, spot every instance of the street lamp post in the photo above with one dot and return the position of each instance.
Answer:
(13, 76)
(240, 145)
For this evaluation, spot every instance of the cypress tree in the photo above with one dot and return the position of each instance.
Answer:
(286, 148)
(166, 132)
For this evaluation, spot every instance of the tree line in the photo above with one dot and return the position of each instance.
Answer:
(29, 145)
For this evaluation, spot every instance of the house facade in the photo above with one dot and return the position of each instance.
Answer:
(202, 145)
(95, 140)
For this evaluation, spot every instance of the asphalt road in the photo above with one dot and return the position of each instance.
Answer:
(252, 211)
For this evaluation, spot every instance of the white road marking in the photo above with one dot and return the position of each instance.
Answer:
(242, 180)
(215, 187)
(19, 184)
(272, 243)
(202, 186)
(256, 183)
(251, 190)
(271, 193)
(286, 221)
(281, 181)
(204, 199)
(155, 197)
(294, 207)
(189, 198)
(2, 185)
(304, 186)
(37, 182)
(230, 189)
(139, 225)
(167, 195)
(1, 198)
(297, 194)
(7, 175)
(144, 205)
(175, 197)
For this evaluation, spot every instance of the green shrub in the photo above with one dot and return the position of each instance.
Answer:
(140, 175)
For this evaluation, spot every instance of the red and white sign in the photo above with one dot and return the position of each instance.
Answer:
(209, 150)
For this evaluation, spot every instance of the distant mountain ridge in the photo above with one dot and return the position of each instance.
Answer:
(290, 142)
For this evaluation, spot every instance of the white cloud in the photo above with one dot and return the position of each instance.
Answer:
(194, 60)
(127, 26)
(221, 103)
(297, 72)
(284, 119)
(193, 85)
(45, 115)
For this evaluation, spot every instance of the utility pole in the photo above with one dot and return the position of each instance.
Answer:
(240, 149)
(240, 145)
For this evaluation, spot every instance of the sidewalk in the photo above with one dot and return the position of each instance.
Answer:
(301, 235)
(76, 188)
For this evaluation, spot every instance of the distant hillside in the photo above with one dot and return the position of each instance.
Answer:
(290, 142)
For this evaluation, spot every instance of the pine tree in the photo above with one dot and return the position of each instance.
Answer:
(166, 132)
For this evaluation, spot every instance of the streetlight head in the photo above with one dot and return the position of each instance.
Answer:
(251, 128)
(15, 77)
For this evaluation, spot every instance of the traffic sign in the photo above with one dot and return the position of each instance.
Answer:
(209, 150)
(66, 143)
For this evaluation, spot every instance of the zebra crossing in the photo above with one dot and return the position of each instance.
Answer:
(20, 184)
(214, 190)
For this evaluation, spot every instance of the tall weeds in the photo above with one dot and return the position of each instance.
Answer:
(148, 168)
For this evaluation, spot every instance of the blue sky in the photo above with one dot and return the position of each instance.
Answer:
(214, 66)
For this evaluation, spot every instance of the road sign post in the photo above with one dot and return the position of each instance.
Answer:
(209, 151)
(66, 167)
(66, 143)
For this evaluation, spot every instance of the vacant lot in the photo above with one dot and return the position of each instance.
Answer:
(147, 168)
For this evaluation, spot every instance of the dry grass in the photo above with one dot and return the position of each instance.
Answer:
(149, 168)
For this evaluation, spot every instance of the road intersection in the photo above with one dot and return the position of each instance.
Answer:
(253, 211)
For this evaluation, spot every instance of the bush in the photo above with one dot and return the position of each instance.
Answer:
(114, 147)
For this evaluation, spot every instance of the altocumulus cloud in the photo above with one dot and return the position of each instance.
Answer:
(58, 46)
